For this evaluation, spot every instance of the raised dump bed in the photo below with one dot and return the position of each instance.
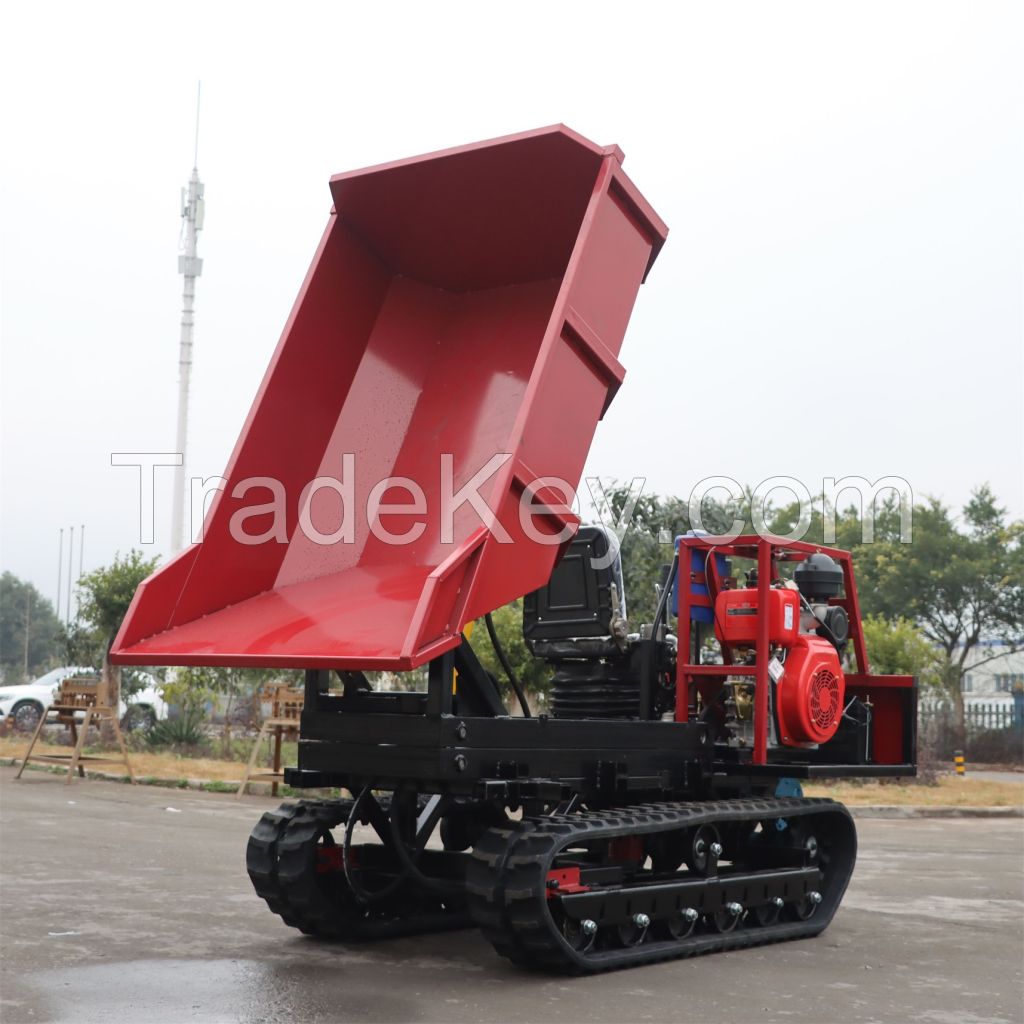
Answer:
(466, 304)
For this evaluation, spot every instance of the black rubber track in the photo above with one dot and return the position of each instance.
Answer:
(281, 859)
(261, 858)
(485, 887)
(507, 879)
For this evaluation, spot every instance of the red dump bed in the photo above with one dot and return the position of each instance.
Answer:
(462, 305)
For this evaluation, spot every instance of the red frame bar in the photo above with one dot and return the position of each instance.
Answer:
(767, 552)
(765, 567)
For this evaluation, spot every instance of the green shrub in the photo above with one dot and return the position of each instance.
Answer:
(186, 732)
(219, 786)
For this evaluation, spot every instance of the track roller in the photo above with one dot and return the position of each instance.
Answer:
(592, 891)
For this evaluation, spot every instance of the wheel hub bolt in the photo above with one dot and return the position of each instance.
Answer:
(716, 849)
(734, 908)
(778, 902)
(588, 926)
(814, 896)
(641, 920)
(690, 915)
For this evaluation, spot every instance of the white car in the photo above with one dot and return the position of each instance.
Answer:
(22, 704)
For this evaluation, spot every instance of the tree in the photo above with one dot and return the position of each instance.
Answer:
(533, 673)
(193, 688)
(647, 544)
(897, 647)
(29, 630)
(958, 582)
(103, 599)
(961, 583)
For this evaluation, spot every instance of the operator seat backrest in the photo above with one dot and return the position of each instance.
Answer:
(572, 614)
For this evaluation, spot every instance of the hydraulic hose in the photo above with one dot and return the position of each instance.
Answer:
(410, 867)
(517, 686)
(362, 894)
(659, 614)
(648, 665)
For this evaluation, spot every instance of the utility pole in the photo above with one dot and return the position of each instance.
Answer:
(190, 266)
(60, 568)
(71, 551)
(28, 624)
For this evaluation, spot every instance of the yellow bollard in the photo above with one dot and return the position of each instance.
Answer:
(958, 760)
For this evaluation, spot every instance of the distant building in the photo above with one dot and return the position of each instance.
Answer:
(994, 679)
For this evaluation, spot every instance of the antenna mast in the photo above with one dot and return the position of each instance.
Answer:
(191, 267)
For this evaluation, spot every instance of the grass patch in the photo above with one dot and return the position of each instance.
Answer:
(156, 765)
(969, 791)
(218, 787)
(164, 768)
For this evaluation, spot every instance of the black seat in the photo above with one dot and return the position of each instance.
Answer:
(572, 615)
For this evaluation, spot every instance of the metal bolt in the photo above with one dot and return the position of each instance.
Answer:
(716, 849)
(734, 908)
(814, 896)
(690, 915)
(641, 920)
(778, 902)
(588, 927)
(812, 846)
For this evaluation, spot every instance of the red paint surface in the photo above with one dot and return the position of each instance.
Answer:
(737, 612)
(892, 697)
(470, 302)
(809, 657)
(564, 881)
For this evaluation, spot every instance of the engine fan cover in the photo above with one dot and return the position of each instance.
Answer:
(810, 694)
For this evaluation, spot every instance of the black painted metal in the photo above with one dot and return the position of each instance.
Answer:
(511, 901)
(459, 745)
(750, 888)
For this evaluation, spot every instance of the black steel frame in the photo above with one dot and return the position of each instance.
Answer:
(463, 743)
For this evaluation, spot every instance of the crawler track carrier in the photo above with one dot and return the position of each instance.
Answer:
(405, 470)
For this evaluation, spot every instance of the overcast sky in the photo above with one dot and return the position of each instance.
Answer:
(841, 292)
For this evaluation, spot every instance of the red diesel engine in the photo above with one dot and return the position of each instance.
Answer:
(807, 635)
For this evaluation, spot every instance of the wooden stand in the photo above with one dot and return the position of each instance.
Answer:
(286, 709)
(79, 696)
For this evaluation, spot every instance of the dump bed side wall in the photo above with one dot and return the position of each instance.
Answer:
(292, 420)
(577, 371)
(467, 306)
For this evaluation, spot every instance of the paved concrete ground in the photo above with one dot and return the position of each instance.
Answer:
(132, 905)
(996, 776)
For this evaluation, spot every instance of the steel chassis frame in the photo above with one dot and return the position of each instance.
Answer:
(456, 738)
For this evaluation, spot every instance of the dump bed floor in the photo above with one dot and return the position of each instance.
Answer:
(460, 325)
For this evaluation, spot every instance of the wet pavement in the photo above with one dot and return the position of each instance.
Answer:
(122, 904)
